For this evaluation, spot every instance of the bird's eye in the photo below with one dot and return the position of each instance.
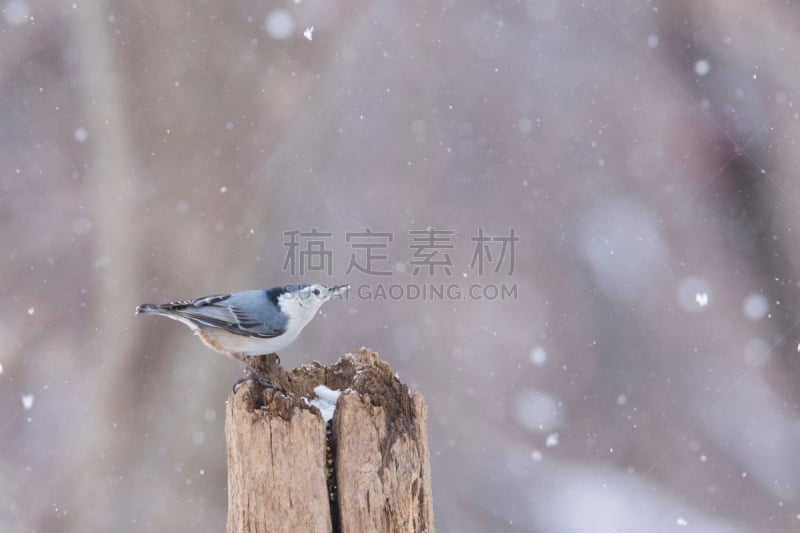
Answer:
(316, 292)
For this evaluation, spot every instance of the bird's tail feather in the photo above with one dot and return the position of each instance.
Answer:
(149, 309)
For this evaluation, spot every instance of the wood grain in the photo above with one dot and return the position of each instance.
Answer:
(277, 471)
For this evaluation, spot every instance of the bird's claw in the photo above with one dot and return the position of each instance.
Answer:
(253, 375)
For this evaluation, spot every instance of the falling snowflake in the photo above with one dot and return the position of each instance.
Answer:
(538, 356)
(702, 67)
(309, 33)
(27, 401)
(280, 24)
(701, 298)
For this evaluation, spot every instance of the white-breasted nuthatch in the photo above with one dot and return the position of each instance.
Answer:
(248, 323)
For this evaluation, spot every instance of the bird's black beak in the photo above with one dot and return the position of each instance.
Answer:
(336, 289)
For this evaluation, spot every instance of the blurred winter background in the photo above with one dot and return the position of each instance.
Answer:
(645, 377)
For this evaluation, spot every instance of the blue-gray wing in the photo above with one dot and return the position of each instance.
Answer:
(248, 313)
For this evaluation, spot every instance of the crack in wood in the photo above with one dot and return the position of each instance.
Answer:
(330, 465)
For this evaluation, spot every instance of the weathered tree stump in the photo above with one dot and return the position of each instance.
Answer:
(366, 470)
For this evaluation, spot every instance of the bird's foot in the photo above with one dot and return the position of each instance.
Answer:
(254, 375)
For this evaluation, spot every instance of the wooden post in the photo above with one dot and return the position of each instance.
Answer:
(366, 470)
